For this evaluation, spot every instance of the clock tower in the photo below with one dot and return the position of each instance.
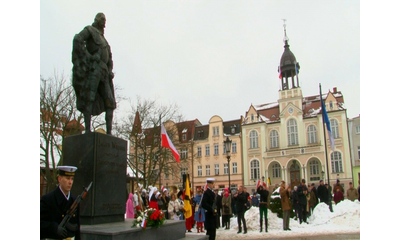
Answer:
(290, 94)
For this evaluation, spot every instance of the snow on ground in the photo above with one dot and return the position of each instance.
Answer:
(345, 218)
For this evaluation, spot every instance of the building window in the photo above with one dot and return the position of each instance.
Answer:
(276, 170)
(199, 170)
(252, 117)
(314, 167)
(234, 147)
(233, 130)
(358, 129)
(358, 149)
(336, 159)
(234, 167)
(200, 133)
(207, 170)
(292, 132)
(216, 149)
(184, 137)
(274, 137)
(255, 169)
(335, 128)
(331, 104)
(207, 150)
(198, 151)
(216, 169)
(215, 131)
(184, 153)
(312, 134)
(253, 139)
(225, 168)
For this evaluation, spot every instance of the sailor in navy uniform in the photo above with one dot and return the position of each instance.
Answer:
(209, 204)
(54, 205)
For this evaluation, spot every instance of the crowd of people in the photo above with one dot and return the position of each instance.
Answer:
(213, 209)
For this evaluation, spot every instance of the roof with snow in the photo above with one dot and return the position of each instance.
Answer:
(269, 112)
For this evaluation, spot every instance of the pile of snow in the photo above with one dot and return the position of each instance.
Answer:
(345, 218)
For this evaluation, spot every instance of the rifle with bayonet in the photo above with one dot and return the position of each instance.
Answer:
(72, 210)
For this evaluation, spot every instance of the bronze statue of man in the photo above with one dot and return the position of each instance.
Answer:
(92, 73)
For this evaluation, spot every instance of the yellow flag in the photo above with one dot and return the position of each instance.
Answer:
(269, 181)
(187, 206)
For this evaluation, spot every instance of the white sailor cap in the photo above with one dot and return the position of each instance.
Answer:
(66, 170)
(210, 180)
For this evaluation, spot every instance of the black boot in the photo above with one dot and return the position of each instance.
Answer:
(266, 225)
(229, 224)
(261, 224)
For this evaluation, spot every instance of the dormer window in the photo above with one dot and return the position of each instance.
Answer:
(331, 104)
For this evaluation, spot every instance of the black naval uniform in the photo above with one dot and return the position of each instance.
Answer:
(53, 207)
(211, 217)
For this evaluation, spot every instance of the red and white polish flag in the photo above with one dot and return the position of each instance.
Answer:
(167, 143)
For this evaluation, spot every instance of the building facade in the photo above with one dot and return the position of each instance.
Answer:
(354, 135)
(210, 153)
(284, 140)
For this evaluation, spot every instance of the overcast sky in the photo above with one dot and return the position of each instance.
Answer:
(212, 57)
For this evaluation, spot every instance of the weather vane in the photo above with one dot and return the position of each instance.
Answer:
(285, 38)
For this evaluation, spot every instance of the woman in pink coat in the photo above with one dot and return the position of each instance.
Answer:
(129, 207)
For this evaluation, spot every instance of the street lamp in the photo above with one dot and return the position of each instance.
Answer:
(228, 144)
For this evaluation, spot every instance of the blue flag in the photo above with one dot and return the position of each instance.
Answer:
(328, 124)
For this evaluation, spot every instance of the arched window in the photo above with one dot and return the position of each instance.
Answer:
(253, 139)
(334, 128)
(255, 169)
(312, 134)
(336, 159)
(276, 170)
(314, 167)
(292, 132)
(274, 137)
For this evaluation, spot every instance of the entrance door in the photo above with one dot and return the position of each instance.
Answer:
(294, 179)
(294, 174)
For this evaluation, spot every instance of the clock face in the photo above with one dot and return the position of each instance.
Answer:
(290, 110)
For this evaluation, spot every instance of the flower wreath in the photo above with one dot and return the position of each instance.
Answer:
(149, 218)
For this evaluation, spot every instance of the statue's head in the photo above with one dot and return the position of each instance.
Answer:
(99, 21)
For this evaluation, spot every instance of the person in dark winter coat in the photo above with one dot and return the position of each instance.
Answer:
(54, 205)
(322, 192)
(241, 200)
(302, 191)
(329, 188)
(264, 193)
(209, 204)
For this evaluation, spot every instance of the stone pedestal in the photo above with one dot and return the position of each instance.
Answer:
(171, 230)
(100, 158)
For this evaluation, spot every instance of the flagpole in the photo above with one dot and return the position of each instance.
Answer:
(323, 124)
(159, 154)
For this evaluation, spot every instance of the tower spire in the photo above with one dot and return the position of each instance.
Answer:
(285, 37)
